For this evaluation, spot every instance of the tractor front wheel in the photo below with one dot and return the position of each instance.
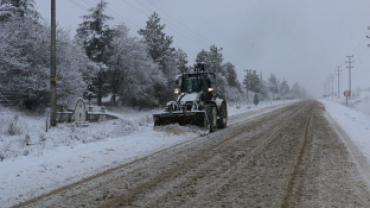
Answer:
(222, 122)
(212, 118)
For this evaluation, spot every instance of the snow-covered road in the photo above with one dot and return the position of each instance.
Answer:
(27, 177)
(290, 156)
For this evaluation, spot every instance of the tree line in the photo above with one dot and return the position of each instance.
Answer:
(103, 60)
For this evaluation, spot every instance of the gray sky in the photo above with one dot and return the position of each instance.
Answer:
(299, 40)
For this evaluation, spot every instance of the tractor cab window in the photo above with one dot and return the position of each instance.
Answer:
(193, 83)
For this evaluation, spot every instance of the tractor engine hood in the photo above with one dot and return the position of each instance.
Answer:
(188, 97)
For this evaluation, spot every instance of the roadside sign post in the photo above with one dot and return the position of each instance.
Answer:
(347, 93)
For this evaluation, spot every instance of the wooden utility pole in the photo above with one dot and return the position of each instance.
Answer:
(53, 78)
(332, 85)
(349, 70)
(216, 49)
(338, 73)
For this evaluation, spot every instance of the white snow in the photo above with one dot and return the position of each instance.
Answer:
(353, 119)
(67, 154)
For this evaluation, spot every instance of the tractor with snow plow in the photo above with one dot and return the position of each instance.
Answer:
(198, 102)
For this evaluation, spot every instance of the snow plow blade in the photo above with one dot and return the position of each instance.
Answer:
(193, 118)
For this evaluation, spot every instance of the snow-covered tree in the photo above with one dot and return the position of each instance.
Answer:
(284, 88)
(94, 33)
(157, 42)
(296, 90)
(264, 90)
(273, 86)
(159, 49)
(25, 62)
(181, 59)
(255, 83)
(252, 82)
(133, 73)
(96, 36)
(231, 75)
(216, 60)
(17, 9)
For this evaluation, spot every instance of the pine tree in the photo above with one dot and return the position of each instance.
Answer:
(14, 9)
(264, 89)
(296, 90)
(255, 83)
(216, 60)
(247, 81)
(252, 82)
(203, 57)
(273, 87)
(160, 50)
(180, 57)
(256, 99)
(157, 41)
(284, 88)
(231, 75)
(95, 36)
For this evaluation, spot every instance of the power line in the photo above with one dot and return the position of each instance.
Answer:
(179, 31)
(115, 14)
(193, 32)
(78, 5)
(191, 35)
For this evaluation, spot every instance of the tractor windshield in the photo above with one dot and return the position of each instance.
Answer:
(193, 83)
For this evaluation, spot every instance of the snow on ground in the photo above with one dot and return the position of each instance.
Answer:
(354, 119)
(34, 162)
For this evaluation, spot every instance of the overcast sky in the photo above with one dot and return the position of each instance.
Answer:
(298, 40)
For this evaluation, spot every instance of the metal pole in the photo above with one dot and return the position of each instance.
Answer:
(53, 67)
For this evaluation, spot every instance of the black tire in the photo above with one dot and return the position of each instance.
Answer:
(222, 122)
(212, 117)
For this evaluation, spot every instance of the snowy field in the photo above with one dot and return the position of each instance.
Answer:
(34, 162)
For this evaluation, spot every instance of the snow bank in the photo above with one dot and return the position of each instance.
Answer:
(360, 103)
(354, 120)
(24, 135)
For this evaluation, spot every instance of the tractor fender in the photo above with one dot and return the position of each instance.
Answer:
(218, 102)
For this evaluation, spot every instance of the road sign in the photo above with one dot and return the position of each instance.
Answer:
(347, 93)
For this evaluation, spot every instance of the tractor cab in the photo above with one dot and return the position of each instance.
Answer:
(201, 82)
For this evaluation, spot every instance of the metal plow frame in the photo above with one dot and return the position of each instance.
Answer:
(194, 118)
